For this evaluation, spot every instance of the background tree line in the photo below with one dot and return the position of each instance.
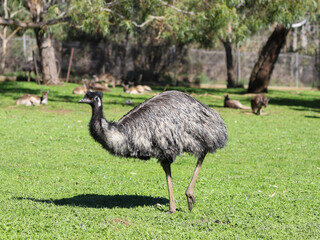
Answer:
(158, 23)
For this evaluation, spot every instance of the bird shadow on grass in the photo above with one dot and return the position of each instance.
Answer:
(103, 201)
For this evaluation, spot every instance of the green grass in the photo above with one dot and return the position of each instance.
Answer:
(57, 183)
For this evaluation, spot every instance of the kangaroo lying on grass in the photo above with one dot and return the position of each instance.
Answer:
(106, 79)
(32, 100)
(233, 103)
(139, 89)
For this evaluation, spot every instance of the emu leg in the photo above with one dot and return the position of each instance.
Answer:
(189, 192)
(167, 168)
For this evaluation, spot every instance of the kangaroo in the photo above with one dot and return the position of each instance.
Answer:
(81, 90)
(139, 89)
(94, 86)
(105, 79)
(32, 100)
(257, 102)
(233, 103)
(131, 90)
(144, 88)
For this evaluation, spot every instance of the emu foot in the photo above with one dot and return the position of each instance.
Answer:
(191, 200)
(171, 211)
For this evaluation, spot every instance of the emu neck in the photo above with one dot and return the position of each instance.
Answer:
(107, 134)
(97, 113)
(95, 125)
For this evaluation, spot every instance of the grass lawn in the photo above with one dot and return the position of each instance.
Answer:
(57, 183)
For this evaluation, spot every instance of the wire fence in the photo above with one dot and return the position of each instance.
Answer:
(291, 69)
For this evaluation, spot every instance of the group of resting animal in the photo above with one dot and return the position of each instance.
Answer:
(257, 102)
(102, 82)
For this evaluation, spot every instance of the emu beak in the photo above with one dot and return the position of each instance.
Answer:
(84, 100)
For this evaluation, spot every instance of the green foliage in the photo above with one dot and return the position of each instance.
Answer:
(57, 183)
(202, 78)
(91, 16)
(235, 20)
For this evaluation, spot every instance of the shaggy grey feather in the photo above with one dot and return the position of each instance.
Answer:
(162, 127)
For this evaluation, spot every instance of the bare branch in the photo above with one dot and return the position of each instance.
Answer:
(177, 9)
(110, 4)
(5, 8)
(111, 11)
(13, 22)
(16, 12)
(13, 33)
(297, 25)
(151, 18)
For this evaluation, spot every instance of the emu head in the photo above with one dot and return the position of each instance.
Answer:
(92, 98)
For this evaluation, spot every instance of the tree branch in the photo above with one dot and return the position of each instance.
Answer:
(112, 3)
(16, 12)
(13, 22)
(177, 9)
(297, 25)
(151, 18)
(13, 33)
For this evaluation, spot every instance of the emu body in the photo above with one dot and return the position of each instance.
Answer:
(161, 127)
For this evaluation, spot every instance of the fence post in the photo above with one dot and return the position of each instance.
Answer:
(297, 69)
(70, 62)
(239, 65)
(173, 49)
(24, 45)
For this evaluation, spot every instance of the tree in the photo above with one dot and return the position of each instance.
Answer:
(39, 10)
(3, 35)
(262, 70)
(94, 17)
(205, 22)
(282, 13)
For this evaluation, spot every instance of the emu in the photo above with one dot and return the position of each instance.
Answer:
(162, 127)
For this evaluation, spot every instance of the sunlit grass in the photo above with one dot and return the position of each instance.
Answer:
(57, 183)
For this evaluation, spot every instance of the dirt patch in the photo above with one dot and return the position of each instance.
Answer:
(59, 111)
(121, 221)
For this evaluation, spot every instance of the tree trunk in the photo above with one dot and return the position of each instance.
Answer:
(231, 79)
(48, 60)
(4, 55)
(303, 36)
(261, 73)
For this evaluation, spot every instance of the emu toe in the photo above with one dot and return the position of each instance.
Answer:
(191, 201)
(171, 211)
